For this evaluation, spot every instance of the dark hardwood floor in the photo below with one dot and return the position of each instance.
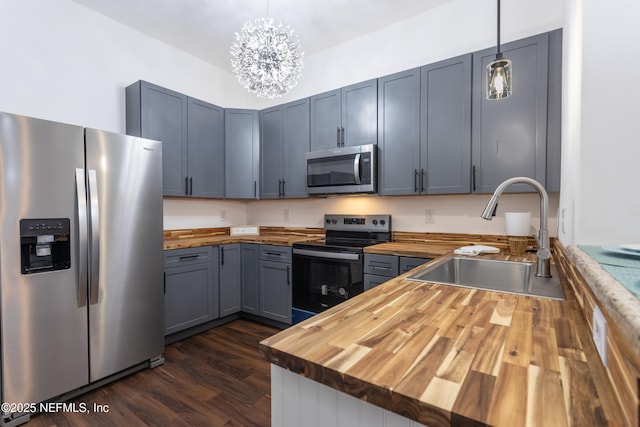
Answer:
(216, 378)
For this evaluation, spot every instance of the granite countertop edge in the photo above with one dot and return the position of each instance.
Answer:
(618, 301)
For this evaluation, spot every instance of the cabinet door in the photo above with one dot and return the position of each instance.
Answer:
(205, 136)
(191, 288)
(326, 120)
(250, 278)
(445, 150)
(271, 152)
(399, 133)
(509, 135)
(373, 280)
(360, 113)
(296, 143)
(554, 113)
(230, 279)
(242, 152)
(409, 263)
(158, 113)
(275, 291)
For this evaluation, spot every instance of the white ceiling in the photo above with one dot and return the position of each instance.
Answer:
(206, 28)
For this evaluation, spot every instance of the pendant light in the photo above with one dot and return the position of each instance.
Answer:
(499, 80)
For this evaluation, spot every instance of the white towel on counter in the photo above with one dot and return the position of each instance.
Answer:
(474, 250)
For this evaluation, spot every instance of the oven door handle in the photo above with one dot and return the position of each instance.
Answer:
(328, 255)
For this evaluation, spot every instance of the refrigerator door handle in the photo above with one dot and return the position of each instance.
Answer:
(82, 237)
(94, 258)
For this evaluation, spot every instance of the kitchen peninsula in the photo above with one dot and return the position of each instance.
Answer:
(441, 355)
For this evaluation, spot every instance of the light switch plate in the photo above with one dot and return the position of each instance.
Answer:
(600, 333)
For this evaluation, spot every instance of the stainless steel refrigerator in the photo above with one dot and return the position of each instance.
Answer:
(81, 261)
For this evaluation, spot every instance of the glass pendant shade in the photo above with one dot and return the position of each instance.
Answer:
(499, 80)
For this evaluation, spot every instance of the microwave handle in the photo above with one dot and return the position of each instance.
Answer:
(356, 168)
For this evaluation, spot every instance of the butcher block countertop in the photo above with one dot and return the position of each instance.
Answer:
(192, 238)
(444, 355)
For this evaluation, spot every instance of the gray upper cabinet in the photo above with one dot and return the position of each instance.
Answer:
(192, 135)
(510, 135)
(424, 117)
(445, 135)
(399, 133)
(345, 117)
(158, 113)
(284, 140)
(242, 152)
(554, 112)
(205, 158)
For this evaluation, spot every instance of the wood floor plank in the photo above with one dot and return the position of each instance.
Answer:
(214, 378)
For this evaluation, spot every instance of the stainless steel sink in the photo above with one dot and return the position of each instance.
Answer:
(500, 276)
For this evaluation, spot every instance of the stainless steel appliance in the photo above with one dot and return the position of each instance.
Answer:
(343, 170)
(329, 271)
(81, 282)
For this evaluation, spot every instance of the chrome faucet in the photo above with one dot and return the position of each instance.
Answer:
(543, 266)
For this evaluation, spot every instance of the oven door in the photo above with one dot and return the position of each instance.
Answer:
(323, 278)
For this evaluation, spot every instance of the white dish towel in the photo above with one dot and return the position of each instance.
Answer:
(474, 250)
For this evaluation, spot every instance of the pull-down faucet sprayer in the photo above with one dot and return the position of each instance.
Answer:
(543, 267)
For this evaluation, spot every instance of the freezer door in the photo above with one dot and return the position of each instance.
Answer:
(43, 314)
(126, 290)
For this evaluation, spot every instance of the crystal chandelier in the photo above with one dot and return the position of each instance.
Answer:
(267, 59)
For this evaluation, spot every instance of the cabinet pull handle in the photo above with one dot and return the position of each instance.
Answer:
(222, 255)
(186, 257)
(255, 183)
(190, 185)
(342, 137)
(288, 276)
(422, 180)
(415, 180)
(338, 136)
(186, 185)
(473, 178)
(273, 254)
(380, 267)
(283, 188)
(164, 283)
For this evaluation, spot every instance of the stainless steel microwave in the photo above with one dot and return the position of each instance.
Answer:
(343, 170)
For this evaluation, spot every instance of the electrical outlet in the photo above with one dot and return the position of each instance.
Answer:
(600, 333)
(429, 216)
(285, 214)
(223, 215)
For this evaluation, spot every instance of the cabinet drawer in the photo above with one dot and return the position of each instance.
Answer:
(275, 253)
(188, 256)
(382, 265)
(409, 263)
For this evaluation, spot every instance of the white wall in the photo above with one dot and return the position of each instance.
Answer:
(61, 61)
(601, 195)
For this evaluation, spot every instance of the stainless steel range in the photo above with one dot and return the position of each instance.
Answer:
(327, 272)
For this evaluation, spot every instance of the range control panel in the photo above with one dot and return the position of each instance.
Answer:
(380, 223)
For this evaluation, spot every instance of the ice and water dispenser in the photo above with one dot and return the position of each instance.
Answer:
(45, 245)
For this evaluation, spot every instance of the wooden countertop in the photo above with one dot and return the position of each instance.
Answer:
(180, 239)
(443, 355)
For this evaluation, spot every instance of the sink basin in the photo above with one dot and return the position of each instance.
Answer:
(501, 276)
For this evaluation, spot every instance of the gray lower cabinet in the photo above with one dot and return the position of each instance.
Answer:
(275, 283)
(250, 278)
(424, 129)
(242, 152)
(191, 287)
(345, 117)
(192, 135)
(382, 268)
(230, 278)
(407, 263)
(284, 141)
(509, 136)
